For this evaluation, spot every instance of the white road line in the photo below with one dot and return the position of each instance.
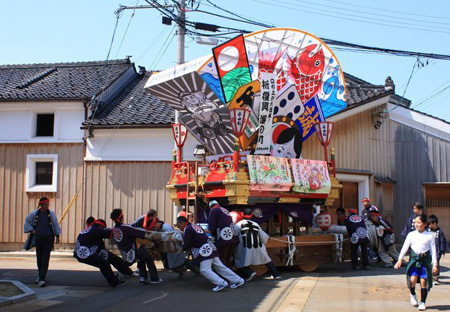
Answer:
(164, 294)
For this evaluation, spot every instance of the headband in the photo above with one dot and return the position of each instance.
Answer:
(99, 223)
(248, 216)
(44, 201)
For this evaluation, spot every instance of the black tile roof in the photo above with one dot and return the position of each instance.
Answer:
(58, 81)
(79, 81)
(360, 92)
(146, 110)
(133, 106)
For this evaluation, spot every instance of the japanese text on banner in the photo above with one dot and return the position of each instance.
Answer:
(268, 93)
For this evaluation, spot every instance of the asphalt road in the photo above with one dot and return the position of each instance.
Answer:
(76, 287)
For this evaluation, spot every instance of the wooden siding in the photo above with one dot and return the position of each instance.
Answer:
(133, 186)
(16, 203)
(358, 145)
(417, 157)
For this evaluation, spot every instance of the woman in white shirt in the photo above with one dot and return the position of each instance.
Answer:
(423, 256)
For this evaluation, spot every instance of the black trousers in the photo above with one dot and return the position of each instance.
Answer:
(104, 265)
(226, 253)
(144, 259)
(364, 254)
(246, 271)
(119, 264)
(44, 245)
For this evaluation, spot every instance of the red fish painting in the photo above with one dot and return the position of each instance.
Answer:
(305, 70)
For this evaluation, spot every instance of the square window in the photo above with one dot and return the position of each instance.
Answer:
(44, 172)
(45, 125)
(41, 173)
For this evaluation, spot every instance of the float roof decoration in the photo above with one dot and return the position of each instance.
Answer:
(287, 78)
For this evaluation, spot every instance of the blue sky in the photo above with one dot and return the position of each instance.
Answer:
(48, 31)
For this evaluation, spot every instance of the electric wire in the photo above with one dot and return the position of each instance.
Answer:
(368, 13)
(278, 5)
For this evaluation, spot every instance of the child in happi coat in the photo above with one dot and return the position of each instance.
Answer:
(125, 237)
(441, 243)
(205, 254)
(422, 263)
(410, 225)
(357, 231)
(90, 249)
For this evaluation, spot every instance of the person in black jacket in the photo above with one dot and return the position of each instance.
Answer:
(90, 249)
(357, 231)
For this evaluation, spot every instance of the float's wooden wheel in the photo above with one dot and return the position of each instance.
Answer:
(259, 269)
(308, 267)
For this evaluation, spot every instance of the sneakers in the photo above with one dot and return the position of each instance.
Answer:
(414, 302)
(422, 306)
(251, 277)
(388, 266)
(36, 281)
(158, 281)
(135, 273)
(143, 280)
(436, 283)
(41, 284)
(276, 277)
(236, 285)
(220, 287)
(121, 283)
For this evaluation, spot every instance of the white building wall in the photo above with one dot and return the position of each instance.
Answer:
(18, 122)
(136, 145)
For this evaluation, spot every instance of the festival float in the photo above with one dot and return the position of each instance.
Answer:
(253, 104)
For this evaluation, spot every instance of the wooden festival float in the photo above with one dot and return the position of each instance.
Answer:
(252, 105)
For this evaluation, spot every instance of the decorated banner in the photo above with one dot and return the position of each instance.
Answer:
(290, 79)
(201, 111)
(311, 176)
(232, 66)
(312, 115)
(269, 173)
(211, 127)
(268, 93)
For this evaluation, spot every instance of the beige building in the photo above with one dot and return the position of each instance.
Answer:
(116, 150)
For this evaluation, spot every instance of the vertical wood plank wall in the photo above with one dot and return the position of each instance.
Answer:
(358, 146)
(133, 186)
(417, 157)
(16, 203)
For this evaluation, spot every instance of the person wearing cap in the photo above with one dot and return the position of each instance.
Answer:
(367, 204)
(221, 226)
(357, 231)
(43, 227)
(385, 238)
(90, 249)
(410, 224)
(125, 237)
(251, 249)
(205, 255)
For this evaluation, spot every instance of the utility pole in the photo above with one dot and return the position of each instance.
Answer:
(181, 42)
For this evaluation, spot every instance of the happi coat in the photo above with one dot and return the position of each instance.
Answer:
(251, 249)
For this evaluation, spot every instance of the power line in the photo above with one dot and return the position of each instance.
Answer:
(278, 5)
(370, 13)
(385, 10)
